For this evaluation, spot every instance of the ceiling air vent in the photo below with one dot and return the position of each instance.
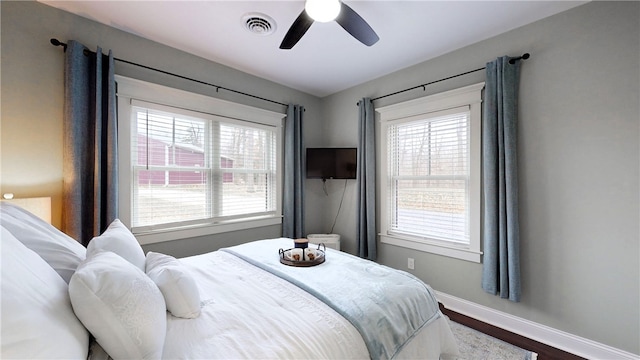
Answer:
(259, 24)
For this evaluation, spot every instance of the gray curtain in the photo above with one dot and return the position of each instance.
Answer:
(366, 178)
(90, 159)
(294, 170)
(501, 262)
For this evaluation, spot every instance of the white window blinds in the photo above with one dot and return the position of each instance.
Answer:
(191, 167)
(429, 176)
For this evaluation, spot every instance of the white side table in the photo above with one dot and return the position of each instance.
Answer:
(329, 240)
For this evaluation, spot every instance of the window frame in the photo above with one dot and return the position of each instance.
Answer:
(429, 106)
(133, 91)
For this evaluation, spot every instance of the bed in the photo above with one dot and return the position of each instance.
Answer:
(111, 300)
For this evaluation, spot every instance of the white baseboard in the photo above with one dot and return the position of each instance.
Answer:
(559, 339)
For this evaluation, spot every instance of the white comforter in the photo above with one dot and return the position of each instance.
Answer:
(249, 313)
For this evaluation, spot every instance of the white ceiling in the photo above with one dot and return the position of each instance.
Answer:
(327, 59)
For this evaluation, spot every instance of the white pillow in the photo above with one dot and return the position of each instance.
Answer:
(60, 251)
(37, 319)
(176, 284)
(120, 306)
(118, 239)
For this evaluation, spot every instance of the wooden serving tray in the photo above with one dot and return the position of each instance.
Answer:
(319, 257)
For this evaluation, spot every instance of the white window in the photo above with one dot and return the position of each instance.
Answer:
(430, 173)
(191, 165)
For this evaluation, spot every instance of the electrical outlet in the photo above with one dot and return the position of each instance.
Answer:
(410, 263)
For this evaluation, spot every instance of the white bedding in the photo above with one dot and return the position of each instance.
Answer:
(280, 321)
(245, 313)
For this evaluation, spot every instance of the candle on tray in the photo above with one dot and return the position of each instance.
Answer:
(301, 243)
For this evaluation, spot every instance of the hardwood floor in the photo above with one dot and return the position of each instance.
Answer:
(544, 351)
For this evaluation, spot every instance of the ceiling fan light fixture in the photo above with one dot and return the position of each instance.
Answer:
(343, 14)
(322, 10)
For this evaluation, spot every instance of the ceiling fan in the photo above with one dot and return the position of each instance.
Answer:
(325, 11)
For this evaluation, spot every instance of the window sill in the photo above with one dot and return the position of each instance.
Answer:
(157, 236)
(434, 248)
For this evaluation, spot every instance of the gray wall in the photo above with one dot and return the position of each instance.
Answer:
(579, 160)
(32, 102)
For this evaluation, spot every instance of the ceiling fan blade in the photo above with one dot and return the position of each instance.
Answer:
(356, 26)
(297, 29)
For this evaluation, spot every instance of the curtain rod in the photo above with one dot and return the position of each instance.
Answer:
(56, 42)
(524, 56)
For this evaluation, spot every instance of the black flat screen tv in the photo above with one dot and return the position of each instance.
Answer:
(331, 163)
